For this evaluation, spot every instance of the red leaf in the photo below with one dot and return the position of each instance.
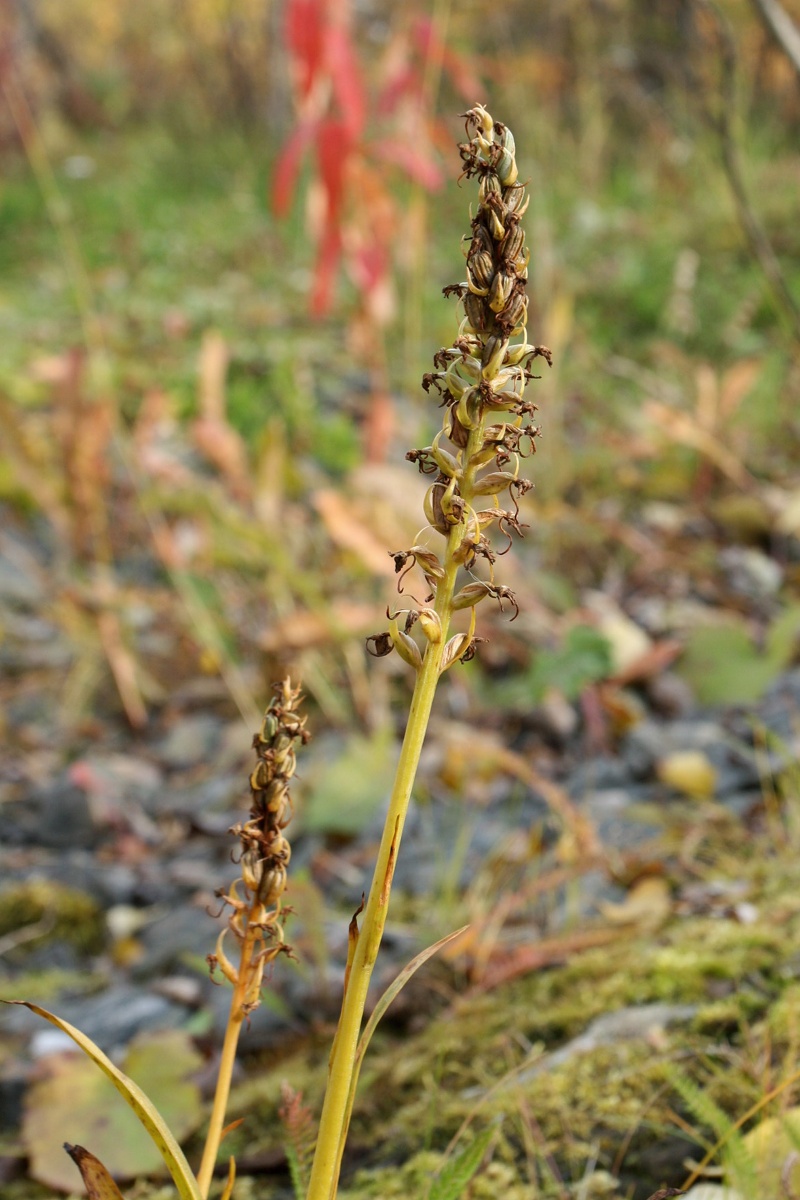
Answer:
(346, 78)
(370, 266)
(288, 165)
(329, 252)
(402, 83)
(334, 147)
(404, 155)
(464, 77)
(305, 37)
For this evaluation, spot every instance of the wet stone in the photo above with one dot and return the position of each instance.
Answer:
(214, 795)
(598, 774)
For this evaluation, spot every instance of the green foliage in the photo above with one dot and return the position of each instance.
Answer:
(69, 915)
(724, 667)
(453, 1179)
(740, 1166)
(583, 658)
(346, 793)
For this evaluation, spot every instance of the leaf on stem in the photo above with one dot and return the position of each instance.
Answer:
(147, 1113)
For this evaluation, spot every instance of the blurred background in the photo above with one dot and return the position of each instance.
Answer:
(225, 226)
(226, 230)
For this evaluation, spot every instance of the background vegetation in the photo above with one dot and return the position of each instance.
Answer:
(202, 448)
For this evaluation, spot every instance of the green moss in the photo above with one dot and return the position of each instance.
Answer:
(65, 915)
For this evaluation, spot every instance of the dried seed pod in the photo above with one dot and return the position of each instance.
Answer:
(479, 314)
(407, 648)
(501, 289)
(494, 352)
(470, 595)
(512, 246)
(494, 483)
(515, 313)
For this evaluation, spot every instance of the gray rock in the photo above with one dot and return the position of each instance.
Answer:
(20, 583)
(191, 740)
(181, 936)
(56, 815)
(112, 1018)
(626, 1024)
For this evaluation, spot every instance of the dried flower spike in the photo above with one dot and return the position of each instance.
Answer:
(481, 379)
(256, 921)
(256, 897)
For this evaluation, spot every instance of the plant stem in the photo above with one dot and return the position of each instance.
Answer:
(226, 1065)
(341, 1078)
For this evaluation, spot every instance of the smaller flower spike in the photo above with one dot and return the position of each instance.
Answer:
(480, 381)
(256, 921)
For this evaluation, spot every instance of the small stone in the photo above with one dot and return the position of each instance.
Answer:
(689, 772)
(190, 741)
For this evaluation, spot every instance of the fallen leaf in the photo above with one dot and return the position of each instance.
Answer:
(627, 641)
(655, 659)
(303, 629)
(74, 1101)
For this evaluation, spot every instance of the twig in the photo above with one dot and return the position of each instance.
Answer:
(782, 28)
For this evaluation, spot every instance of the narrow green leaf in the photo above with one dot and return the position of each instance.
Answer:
(147, 1113)
(459, 1170)
(395, 987)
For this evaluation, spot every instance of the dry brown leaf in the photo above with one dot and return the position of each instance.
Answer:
(685, 429)
(547, 953)
(303, 629)
(98, 1182)
(214, 436)
(653, 661)
(349, 531)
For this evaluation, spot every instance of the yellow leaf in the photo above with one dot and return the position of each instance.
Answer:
(690, 772)
(647, 904)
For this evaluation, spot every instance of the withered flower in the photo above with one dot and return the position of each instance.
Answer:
(256, 897)
(481, 379)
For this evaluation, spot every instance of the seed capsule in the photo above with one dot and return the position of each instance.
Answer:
(500, 291)
(478, 313)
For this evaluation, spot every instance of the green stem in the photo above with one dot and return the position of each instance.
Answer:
(324, 1172)
(341, 1078)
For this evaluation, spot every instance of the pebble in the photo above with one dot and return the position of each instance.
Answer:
(192, 740)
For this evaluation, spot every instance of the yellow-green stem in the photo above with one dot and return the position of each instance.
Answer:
(226, 1065)
(341, 1081)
